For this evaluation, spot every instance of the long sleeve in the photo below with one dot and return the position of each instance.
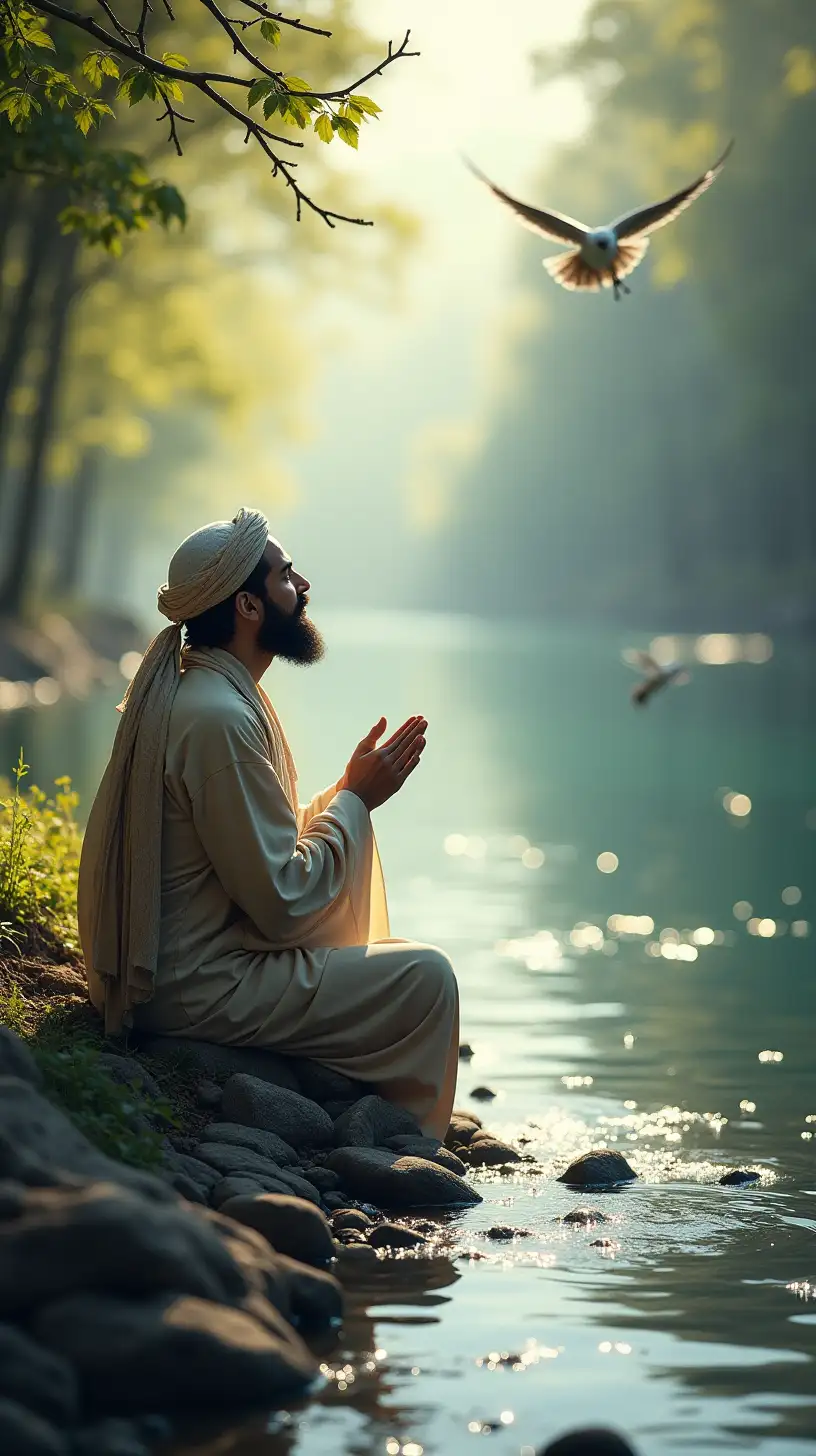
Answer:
(284, 883)
(317, 805)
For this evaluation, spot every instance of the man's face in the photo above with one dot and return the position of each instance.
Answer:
(285, 630)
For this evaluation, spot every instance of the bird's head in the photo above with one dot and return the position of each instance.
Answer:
(605, 240)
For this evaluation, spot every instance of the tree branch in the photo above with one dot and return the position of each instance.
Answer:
(265, 13)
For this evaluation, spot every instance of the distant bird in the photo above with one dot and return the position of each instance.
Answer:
(655, 675)
(602, 257)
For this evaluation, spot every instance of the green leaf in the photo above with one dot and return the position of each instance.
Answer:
(92, 68)
(84, 119)
(297, 112)
(39, 38)
(259, 89)
(271, 31)
(296, 83)
(170, 58)
(365, 104)
(170, 89)
(347, 131)
(323, 127)
(275, 100)
(142, 85)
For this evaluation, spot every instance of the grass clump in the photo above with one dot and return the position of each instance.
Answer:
(39, 867)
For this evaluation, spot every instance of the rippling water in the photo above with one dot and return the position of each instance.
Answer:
(694, 1330)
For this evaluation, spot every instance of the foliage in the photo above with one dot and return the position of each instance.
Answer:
(64, 76)
(39, 863)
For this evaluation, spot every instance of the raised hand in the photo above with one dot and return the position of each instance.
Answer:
(375, 774)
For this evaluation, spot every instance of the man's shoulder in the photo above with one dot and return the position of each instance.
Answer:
(207, 711)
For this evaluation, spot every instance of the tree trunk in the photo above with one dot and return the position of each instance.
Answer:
(39, 241)
(76, 519)
(23, 533)
(11, 197)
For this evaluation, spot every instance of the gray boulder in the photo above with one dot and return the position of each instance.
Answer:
(598, 1169)
(202, 1173)
(275, 1109)
(484, 1151)
(37, 1379)
(462, 1128)
(323, 1179)
(315, 1296)
(266, 1144)
(100, 1236)
(371, 1122)
(190, 1354)
(16, 1059)
(300, 1186)
(382, 1177)
(430, 1148)
(238, 1185)
(40, 1146)
(129, 1072)
(289, 1224)
(22, 1433)
(220, 1062)
(227, 1159)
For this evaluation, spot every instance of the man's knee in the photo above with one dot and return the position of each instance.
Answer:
(438, 974)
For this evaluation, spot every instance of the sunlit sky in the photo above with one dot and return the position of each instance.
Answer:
(423, 368)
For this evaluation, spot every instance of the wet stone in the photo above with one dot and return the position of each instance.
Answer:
(738, 1178)
(395, 1236)
(597, 1169)
(351, 1218)
(504, 1232)
(484, 1151)
(583, 1217)
(465, 1052)
(589, 1441)
(483, 1094)
(604, 1244)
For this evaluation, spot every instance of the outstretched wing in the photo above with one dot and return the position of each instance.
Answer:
(552, 225)
(640, 661)
(649, 219)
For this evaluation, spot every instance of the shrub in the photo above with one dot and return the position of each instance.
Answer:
(39, 866)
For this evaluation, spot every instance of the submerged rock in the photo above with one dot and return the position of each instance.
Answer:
(607, 1244)
(298, 1121)
(590, 1441)
(291, 1225)
(400, 1182)
(583, 1217)
(371, 1122)
(189, 1353)
(503, 1232)
(738, 1178)
(597, 1169)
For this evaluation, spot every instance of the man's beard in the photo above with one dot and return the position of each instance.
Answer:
(294, 637)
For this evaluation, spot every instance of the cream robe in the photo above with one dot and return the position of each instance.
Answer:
(274, 922)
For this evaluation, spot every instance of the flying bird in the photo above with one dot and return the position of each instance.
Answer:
(654, 675)
(602, 257)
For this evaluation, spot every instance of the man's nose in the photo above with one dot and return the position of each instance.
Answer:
(303, 585)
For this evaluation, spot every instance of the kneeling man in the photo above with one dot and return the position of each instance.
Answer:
(211, 904)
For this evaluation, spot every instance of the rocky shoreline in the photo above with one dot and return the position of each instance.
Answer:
(131, 1300)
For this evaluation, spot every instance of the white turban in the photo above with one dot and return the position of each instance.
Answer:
(207, 568)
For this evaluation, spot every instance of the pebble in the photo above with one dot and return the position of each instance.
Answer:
(363, 1252)
(597, 1169)
(483, 1094)
(503, 1231)
(351, 1218)
(465, 1052)
(738, 1178)
(394, 1236)
(604, 1244)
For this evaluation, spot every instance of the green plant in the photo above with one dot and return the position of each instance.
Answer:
(14, 1011)
(39, 864)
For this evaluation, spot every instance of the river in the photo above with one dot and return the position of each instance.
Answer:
(662, 1003)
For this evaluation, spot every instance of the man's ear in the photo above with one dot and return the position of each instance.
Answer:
(247, 606)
